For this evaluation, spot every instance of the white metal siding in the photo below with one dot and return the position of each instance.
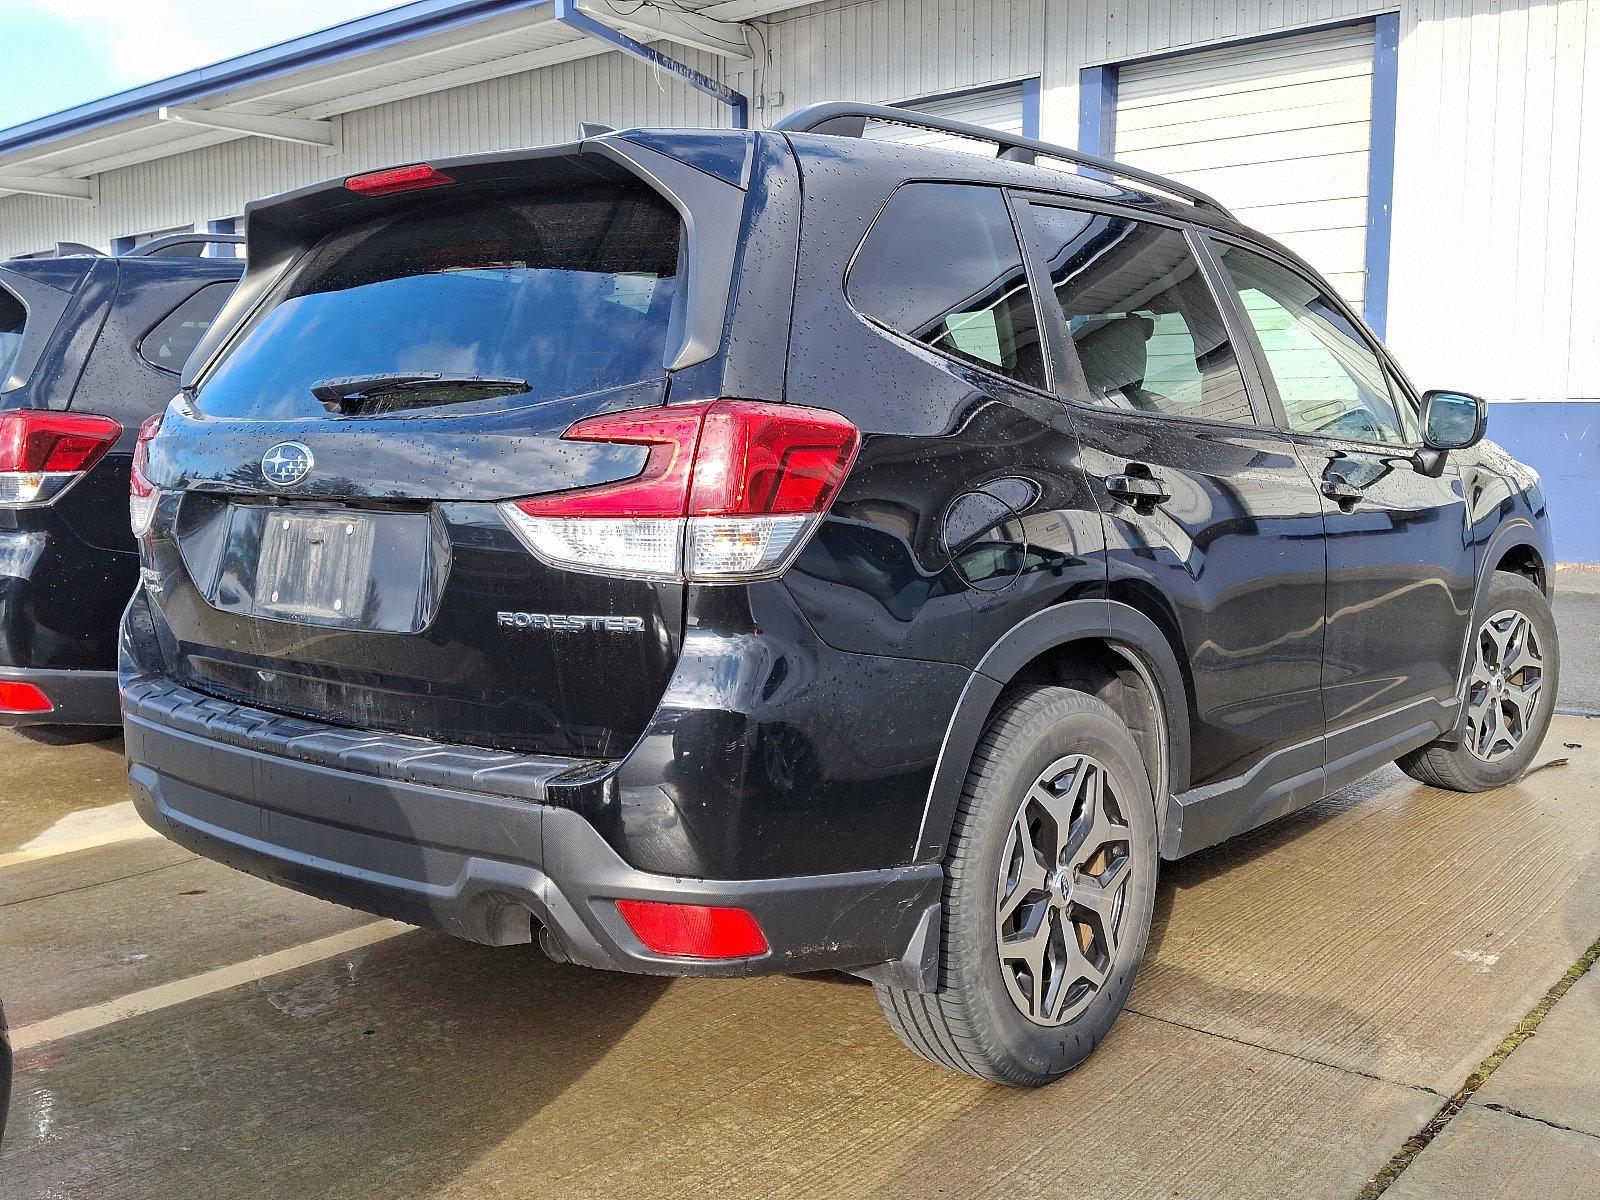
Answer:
(995, 108)
(1496, 262)
(525, 109)
(1494, 280)
(1278, 130)
(893, 50)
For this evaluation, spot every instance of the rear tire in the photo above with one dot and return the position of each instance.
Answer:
(1045, 921)
(1513, 669)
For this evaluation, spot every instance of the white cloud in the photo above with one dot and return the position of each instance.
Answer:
(144, 40)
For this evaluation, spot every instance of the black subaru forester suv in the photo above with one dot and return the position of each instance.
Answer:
(725, 553)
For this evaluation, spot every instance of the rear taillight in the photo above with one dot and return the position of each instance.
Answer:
(693, 930)
(730, 491)
(142, 494)
(22, 698)
(43, 453)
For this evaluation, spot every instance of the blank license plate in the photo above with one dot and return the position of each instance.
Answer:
(315, 566)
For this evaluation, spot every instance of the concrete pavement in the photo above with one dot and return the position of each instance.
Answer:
(1314, 994)
(1577, 609)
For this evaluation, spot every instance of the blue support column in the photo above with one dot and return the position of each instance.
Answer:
(121, 245)
(1030, 107)
(1097, 111)
(568, 13)
(223, 249)
(1380, 168)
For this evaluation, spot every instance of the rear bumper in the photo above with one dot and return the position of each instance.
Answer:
(76, 697)
(414, 835)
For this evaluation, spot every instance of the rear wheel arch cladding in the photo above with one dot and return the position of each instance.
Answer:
(1116, 627)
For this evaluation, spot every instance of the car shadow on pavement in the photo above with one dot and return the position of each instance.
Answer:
(382, 1072)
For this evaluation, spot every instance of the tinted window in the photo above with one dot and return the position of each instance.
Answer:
(13, 316)
(571, 292)
(1329, 379)
(175, 337)
(1146, 327)
(942, 265)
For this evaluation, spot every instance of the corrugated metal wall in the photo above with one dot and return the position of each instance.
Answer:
(1495, 282)
(1494, 285)
(531, 108)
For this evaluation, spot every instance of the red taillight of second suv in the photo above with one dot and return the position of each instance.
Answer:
(142, 494)
(43, 453)
(730, 491)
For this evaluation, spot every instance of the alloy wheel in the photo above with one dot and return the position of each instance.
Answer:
(1063, 882)
(1503, 690)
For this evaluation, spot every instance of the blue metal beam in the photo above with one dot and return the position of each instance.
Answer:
(1380, 169)
(568, 13)
(1097, 110)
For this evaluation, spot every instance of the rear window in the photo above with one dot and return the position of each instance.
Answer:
(13, 316)
(571, 292)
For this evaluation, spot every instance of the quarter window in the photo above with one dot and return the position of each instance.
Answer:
(13, 318)
(1329, 379)
(942, 265)
(1147, 330)
(179, 332)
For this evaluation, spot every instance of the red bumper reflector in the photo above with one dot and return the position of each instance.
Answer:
(693, 930)
(23, 698)
(397, 179)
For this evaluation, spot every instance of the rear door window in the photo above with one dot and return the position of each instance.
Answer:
(568, 292)
(942, 265)
(175, 336)
(1147, 330)
(13, 318)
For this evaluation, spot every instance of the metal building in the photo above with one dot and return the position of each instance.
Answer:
(1438, 159)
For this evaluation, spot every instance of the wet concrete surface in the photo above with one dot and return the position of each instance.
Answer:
(1313, 994)
(1577, 610)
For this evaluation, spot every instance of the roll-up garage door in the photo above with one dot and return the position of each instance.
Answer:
(994, 108)
(1278, 130)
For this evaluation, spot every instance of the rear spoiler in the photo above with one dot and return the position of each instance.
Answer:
(281, 230)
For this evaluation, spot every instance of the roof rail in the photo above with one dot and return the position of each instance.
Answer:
(160, 246)
(60, 250)
(845, 119)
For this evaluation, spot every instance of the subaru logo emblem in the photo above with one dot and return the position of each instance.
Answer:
(286, 464)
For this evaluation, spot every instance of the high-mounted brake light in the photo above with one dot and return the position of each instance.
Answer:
(142, 494)
(730, 491)
(693, 930)
(43, 453)
(397, 179)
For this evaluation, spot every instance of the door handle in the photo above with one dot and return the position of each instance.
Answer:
(1137, 489)
(1346, 494)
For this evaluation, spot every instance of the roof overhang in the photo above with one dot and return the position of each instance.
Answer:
(291, 90)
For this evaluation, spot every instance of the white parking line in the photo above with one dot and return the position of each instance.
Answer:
(86, 830)
(98, 1016)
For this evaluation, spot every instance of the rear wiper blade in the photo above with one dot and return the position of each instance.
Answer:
(389, 390)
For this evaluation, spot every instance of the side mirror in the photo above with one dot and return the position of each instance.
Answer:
(1452, 420)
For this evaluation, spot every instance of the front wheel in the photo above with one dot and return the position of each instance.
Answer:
(1049, 889)
(1513, 669)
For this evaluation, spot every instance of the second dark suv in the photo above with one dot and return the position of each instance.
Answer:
(723, 553)
(90, 347)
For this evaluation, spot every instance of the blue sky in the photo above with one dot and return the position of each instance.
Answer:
(64, 52)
